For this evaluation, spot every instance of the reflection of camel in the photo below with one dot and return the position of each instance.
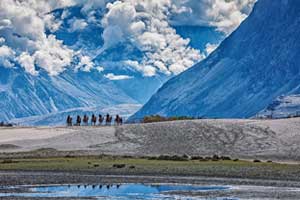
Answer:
(96, 186)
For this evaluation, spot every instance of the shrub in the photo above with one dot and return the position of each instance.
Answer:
(225, 158)
(119, 166)
(215, 158)
(256, 161)
(196, 158)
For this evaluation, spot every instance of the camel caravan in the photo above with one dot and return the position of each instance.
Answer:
(94, 120)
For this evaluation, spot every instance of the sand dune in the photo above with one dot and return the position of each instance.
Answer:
(264, 139)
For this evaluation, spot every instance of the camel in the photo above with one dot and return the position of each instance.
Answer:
(69, 120)
(118, 120)
(85, 120)
(100, 119)
(78, 120)
(93, 120)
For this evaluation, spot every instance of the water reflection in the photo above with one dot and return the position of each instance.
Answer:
(124, 192)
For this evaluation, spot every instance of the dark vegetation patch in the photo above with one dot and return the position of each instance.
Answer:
(158, 118)
(170, 158)
(8, 146)
(119, 166)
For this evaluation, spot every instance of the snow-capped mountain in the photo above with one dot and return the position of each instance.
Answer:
(253, 66)
(282, 107)
(23, 95)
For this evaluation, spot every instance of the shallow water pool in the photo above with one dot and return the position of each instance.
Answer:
(115, 192)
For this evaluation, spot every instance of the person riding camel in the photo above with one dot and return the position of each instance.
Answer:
(78, 120)
(85, 119)
(100, 120)
(121, 120)
(71, 121)
(93, 120)
(107, 119)
(110, 120)
(117, 120)
(68, 120)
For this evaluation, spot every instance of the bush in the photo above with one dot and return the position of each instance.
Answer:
(196, 158)
(215, 158)
(225, 158)
(119, 166)
(256, 161)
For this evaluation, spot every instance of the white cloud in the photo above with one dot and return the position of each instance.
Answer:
(147, 70)
(53, 56)
(77, 24)
(226, 15)
(114, 77)
(27, 62)
(6, 56)
(99, 69)
(85, 63)
(2, 40)
(210, 48)
(25, 31)
(145, 25)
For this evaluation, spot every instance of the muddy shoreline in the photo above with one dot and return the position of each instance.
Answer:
(243, 188)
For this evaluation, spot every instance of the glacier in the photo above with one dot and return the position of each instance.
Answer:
(253, 66)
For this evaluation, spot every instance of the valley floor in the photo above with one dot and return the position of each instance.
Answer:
(129, 154)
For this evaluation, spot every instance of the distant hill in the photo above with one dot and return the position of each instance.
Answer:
(282, 107)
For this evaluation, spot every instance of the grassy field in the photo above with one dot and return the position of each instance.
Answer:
(143, 166)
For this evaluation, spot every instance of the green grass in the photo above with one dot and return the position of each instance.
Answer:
(104, 165)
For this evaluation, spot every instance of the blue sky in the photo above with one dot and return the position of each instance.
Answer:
(31, 33)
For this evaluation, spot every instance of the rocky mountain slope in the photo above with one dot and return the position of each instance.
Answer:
(252, 67)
